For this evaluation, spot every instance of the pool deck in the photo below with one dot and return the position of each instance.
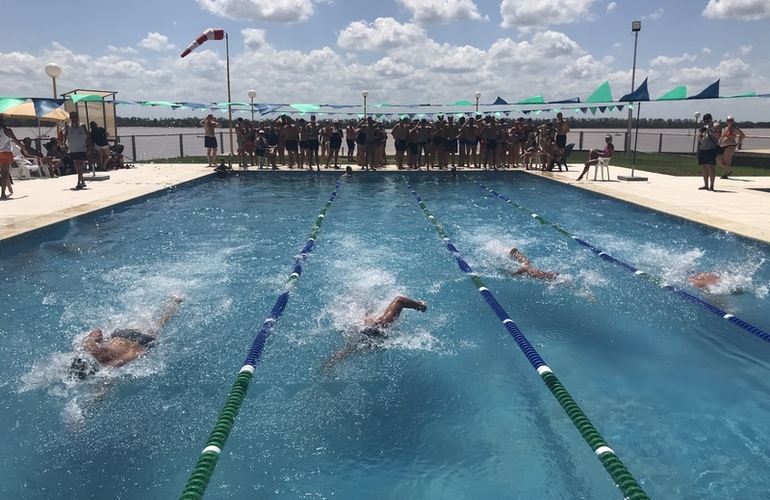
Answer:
(740, 205)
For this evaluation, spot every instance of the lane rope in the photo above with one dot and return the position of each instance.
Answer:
(612, 464)
(207, 461)
(636, 272)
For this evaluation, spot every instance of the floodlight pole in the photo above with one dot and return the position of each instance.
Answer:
(252, 94)
(695, 132)
(477, 95)
(53, 70)
(229, 98)
(365, 94)
(636, 27)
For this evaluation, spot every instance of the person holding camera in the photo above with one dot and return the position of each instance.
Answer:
(708, 146)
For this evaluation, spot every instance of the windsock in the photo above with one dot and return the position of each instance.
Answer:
(209, 34)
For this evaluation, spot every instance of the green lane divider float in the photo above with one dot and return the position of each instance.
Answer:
(204, 468)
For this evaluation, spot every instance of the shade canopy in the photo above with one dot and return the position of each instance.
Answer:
(47, 113)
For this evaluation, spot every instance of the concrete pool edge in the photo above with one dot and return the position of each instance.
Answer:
(740, 206)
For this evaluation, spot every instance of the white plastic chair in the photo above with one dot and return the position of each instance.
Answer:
(20, 172)
(29, 167)
(602, 165)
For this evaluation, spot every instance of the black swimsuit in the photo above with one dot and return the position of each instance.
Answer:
(137, 336)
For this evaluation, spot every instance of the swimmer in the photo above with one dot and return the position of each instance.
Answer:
(704, 280)
(123, 346)
(526, 267)
(348, 171)
(376, 329)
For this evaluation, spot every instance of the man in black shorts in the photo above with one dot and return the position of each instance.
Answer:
(375, 331)
(121, 347)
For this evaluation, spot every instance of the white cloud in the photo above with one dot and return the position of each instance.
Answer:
(385, 33)
(121, 50)
(671, 61)
(254, 39)
(706, 50)
(735, 68)
(528, 13)
(156, 41)
(655, 15)
(441, 11)
(745, 49)
(746, 10)
(279, 11)
(611, 6)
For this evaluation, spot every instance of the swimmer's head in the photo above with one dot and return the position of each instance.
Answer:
(80, 369)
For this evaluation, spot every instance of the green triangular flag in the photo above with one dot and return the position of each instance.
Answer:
(602, 94)
(675, 94)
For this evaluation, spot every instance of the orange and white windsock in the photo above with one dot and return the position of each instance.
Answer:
(209, 34)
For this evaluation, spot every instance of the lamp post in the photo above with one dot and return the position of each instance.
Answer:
(365, 94)
(53, 70)
(252, 95)
(695, 133)
(477, 95)
(636, 27)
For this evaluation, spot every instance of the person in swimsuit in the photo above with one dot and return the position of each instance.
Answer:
(595, 154)
(731, 138)
(121, 347)
(375, 330)
(526, 267)
(704, 280)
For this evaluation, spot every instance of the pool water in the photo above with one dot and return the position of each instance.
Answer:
(448, 408)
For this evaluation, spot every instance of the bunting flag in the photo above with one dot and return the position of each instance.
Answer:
(602, 94)
(209, 34)
(710, 92)
(640, 94)
(676, 94)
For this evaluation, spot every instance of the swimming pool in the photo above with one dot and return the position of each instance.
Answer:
(449, 409)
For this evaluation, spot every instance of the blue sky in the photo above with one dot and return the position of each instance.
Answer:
(401, 51)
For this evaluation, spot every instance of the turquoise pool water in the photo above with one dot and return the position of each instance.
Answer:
(450, 408)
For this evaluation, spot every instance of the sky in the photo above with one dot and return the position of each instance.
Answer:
(400, 51)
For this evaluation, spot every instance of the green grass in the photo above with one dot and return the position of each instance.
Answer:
(668, 164)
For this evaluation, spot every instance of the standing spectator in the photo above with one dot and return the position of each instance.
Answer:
(102, 147)
(707, 152)
(290, 132)
(7, 139)
(562, 129)
(261, 148)
(350, 139)
(335, 143)
(273, 136)
(77, 138)
(451, 133)
(240, 139)
(400, 134)
(732, 137)
(209, 125)
(313, 143)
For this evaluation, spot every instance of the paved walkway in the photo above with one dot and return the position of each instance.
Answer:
(740, 205)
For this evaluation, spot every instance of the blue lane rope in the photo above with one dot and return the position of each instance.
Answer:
(607, 257)
(207, 461)
(617, 470)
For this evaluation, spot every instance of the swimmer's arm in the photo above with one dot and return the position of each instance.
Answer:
(92, 344)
